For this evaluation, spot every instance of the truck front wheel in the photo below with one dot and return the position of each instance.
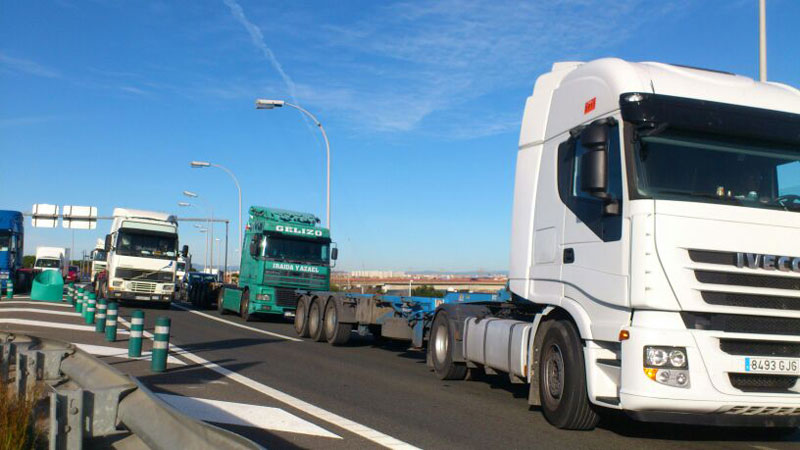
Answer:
(244, 306)
(336, 333)
(220, 301)
(440, 348)
(315, 330)
(562, 381)
(301, 317)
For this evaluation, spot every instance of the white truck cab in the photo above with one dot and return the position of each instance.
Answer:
(657, 209)
(655, 251)
(142, 253)
(98, 257)
(52, 258)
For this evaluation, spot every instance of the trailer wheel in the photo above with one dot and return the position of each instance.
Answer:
(244, 306)
(336, 333)
(301, 317)
(562, 383)
(440, 348)
(315, 330)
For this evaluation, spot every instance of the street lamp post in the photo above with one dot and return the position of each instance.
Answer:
(271, 104)
(191, 194)
(201, 164)
(205, 249)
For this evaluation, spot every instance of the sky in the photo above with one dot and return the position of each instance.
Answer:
(105, 103)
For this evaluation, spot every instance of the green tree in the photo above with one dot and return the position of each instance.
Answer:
(28, 260)
(427, 291)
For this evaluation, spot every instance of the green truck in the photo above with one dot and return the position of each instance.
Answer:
(282, 252)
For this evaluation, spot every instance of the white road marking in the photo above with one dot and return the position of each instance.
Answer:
(238, 325)
(63, 326)
(231, 413)
(334, 419)
(40, 311)
(101, 350)
(32, 302)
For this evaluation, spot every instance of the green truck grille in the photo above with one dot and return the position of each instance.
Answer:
(295, 279)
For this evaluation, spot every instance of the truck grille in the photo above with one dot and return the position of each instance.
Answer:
(742, 279)
(733, 323)
(130, 274)
(743, 347)
(751, 300)
(763, 411)
(285, 298)
(295, 279)
(750, 382)
(143, 287)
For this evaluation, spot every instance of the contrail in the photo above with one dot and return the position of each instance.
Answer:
(258, 40)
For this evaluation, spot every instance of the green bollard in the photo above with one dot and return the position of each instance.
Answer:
(79, 301)
(111, 322)
(100, 322)
(92, 309)
(135, 341)
(160, 345)
(10, 289)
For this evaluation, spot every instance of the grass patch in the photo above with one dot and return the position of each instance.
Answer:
(20, 420)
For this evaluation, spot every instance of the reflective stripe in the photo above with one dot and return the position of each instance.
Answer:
(101, 316)
(160, 345)
(137, 321)
(91, 309)
(136, 334)
(162, 330)
(111, 322)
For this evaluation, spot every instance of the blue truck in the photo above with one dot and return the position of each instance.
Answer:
(12, 235)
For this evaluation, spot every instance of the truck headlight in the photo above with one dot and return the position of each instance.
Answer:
(667, 365)
(263, 297)
(168, 287)
(116, 283)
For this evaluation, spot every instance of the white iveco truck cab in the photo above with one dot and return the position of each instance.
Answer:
(98, 257)
(655, 251)
(142, 254)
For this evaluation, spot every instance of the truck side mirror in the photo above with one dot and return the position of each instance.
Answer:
(107, 247)
(254, 246)
(334, 253)
(594, 163)
(185, 251)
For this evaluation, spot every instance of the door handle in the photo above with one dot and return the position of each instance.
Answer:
(569, 256)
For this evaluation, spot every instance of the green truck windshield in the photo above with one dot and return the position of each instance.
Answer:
(296, 250)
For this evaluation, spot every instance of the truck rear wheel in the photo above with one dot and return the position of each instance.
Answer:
(244, 306)
(440, 349)
(220, 299)
(562, 382)
(336, 333)
(315, 330)
(301, 317)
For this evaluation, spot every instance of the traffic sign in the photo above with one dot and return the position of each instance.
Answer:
(79, 217)
(44, 215)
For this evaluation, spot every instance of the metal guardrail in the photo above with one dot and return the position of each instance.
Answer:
(91, 401)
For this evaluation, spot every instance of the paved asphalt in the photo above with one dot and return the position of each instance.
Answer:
(385, 387)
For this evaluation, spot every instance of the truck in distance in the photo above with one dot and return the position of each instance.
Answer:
(282, 251)
(655, 255)
(52, 258)
(12, 233)
(142, 252)
(98, 258)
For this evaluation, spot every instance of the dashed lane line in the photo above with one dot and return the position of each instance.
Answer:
(315, 411)
(41, 311)
(238, 325)
(33, 302)
(114, 352)
(44, 324)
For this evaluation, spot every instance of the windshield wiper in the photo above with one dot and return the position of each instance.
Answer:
(698, 194)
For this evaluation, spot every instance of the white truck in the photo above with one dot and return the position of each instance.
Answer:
(98, 258)
(655, 255)
(52, 258)
(142, 253)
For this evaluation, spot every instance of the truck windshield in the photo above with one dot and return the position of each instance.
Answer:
(296, 250)
(48, 263)
(5, 242)
(705, 169)
(99, 255)
(147, 245)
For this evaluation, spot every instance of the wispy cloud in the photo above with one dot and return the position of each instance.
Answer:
(257, 37)
(26, 66)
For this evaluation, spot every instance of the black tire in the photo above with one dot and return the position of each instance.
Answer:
(440, 347)
(244, 306)
(336, 333)
(220, 296)
(377, 336)
(315, 330)
(301, 317)
(562, 380)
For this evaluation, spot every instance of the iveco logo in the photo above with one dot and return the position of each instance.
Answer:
(768, 262)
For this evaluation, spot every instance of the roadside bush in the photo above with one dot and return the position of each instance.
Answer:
(18, 427)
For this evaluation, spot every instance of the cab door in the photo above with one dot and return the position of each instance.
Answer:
(594, 247)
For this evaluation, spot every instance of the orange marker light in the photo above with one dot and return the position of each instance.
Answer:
(589, 106)
(651, 373)
(624, 335)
